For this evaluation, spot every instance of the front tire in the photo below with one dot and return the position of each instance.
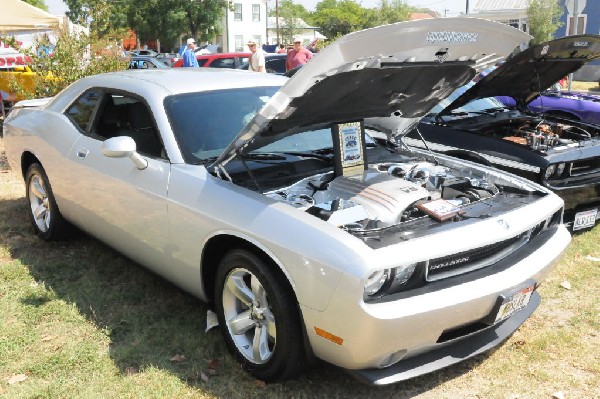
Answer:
(45, 217)
(259, 318)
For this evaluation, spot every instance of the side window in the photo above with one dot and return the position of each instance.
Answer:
(222, 63)
(122, 115)
(80, 112)
(237, 11)
(202, 62)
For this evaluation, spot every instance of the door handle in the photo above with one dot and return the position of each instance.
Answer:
(82, 153)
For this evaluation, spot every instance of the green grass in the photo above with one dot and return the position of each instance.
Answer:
(80, 321)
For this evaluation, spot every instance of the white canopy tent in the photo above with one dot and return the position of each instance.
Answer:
(18, 16)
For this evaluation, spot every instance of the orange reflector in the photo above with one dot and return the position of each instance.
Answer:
(329, 336)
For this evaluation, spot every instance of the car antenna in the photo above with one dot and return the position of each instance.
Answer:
(426, 146)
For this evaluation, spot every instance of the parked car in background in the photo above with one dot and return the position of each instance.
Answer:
(168, 58)
(274, 63)
(582, 107)
(219, 60)
(140, 62)
(143, 52)
(560, 152)
(307, 236)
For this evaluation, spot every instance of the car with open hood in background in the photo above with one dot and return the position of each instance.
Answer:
(268, 198)
(560, 152)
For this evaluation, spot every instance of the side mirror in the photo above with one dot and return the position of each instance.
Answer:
(123, 146)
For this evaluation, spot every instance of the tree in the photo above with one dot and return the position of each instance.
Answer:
(338, 18)
(392, 11)
(543, 19)
(290, 17)
(37, 3)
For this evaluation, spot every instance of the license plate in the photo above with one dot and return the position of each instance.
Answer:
(585, 219)
(513, 303)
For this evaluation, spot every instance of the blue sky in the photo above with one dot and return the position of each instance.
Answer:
(453, 7)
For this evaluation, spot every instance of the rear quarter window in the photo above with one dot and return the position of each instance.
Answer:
(80, 112)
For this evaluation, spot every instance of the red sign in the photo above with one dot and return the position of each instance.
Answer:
(8, 61)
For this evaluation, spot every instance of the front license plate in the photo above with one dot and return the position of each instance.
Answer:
(585, 219)
(513, 303)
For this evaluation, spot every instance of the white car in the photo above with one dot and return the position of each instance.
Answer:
(285, 204)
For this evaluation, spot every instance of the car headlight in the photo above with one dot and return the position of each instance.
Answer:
(376, 281)
(549, 171)
(388, 281)
(560, 168)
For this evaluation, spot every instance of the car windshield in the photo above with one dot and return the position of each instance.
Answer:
(205, 123)
(477, 105)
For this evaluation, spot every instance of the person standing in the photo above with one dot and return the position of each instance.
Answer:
(297, 56)
(282, 49)
(189, 56)
(256, 62)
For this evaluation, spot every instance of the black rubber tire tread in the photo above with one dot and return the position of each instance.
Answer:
(59, 228)
(289, 356)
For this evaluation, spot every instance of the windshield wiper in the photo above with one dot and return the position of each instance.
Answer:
(262, 156)
(323, 153)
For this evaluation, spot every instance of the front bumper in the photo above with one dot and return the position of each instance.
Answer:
(456, 352)
(420, 328)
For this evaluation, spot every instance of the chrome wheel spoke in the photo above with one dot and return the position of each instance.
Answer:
(40, 212)
(241, 323)
(258, 291)
(37, 189)
(260, 344)
(237, 286)
(270, 324)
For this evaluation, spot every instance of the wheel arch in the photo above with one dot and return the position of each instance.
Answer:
(27, 159)
(218, 245)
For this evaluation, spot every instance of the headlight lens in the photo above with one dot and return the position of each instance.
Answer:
(376, 281)
(549, 171)
(560, 168)
(389, 281)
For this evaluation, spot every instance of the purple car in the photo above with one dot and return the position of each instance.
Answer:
(569, 105)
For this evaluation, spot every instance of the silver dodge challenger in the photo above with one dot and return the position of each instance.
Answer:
(291, 206)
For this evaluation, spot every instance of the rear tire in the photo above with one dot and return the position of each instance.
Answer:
(259, 317)
(46, 219)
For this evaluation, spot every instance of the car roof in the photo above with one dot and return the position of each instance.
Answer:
(222, 55)
(184, 80)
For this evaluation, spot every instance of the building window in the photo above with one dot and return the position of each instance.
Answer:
(258, 40)
(239, 43)
(237, 11)
(580, 25)
(255, 12)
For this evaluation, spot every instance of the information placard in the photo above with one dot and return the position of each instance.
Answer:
(349, 148)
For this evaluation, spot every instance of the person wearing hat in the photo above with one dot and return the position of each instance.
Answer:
(189, 56)
(256, 62)
(298, 55)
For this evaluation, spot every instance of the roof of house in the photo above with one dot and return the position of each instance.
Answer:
(271, 23)
(496, 5)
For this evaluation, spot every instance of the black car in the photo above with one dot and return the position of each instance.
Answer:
(562, 154)
(274, 63)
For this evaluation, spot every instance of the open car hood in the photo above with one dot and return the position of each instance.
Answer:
(400, 70)
(528, 73)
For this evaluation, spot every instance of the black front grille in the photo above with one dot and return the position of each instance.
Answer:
(474, 259)
(585, 167)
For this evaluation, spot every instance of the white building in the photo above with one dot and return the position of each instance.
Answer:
(247, 20)
(509, 12)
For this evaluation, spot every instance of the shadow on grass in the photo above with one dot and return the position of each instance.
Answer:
(149, 320)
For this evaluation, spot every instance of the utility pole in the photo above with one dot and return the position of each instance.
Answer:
(467, 8)
(575, 28)
(277, 20)
(445, 12)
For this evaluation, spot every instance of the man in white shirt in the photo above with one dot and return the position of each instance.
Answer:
(256, 62)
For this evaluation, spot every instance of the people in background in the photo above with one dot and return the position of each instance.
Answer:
(256, 62)
(189, 56)
(281, 49)
(298, 55)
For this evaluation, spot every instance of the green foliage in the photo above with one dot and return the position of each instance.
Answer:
(37, 3)
(338, 18)
(543, 19)
(392, 11)
(290, 16)
(75, 55)
(163, 20)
